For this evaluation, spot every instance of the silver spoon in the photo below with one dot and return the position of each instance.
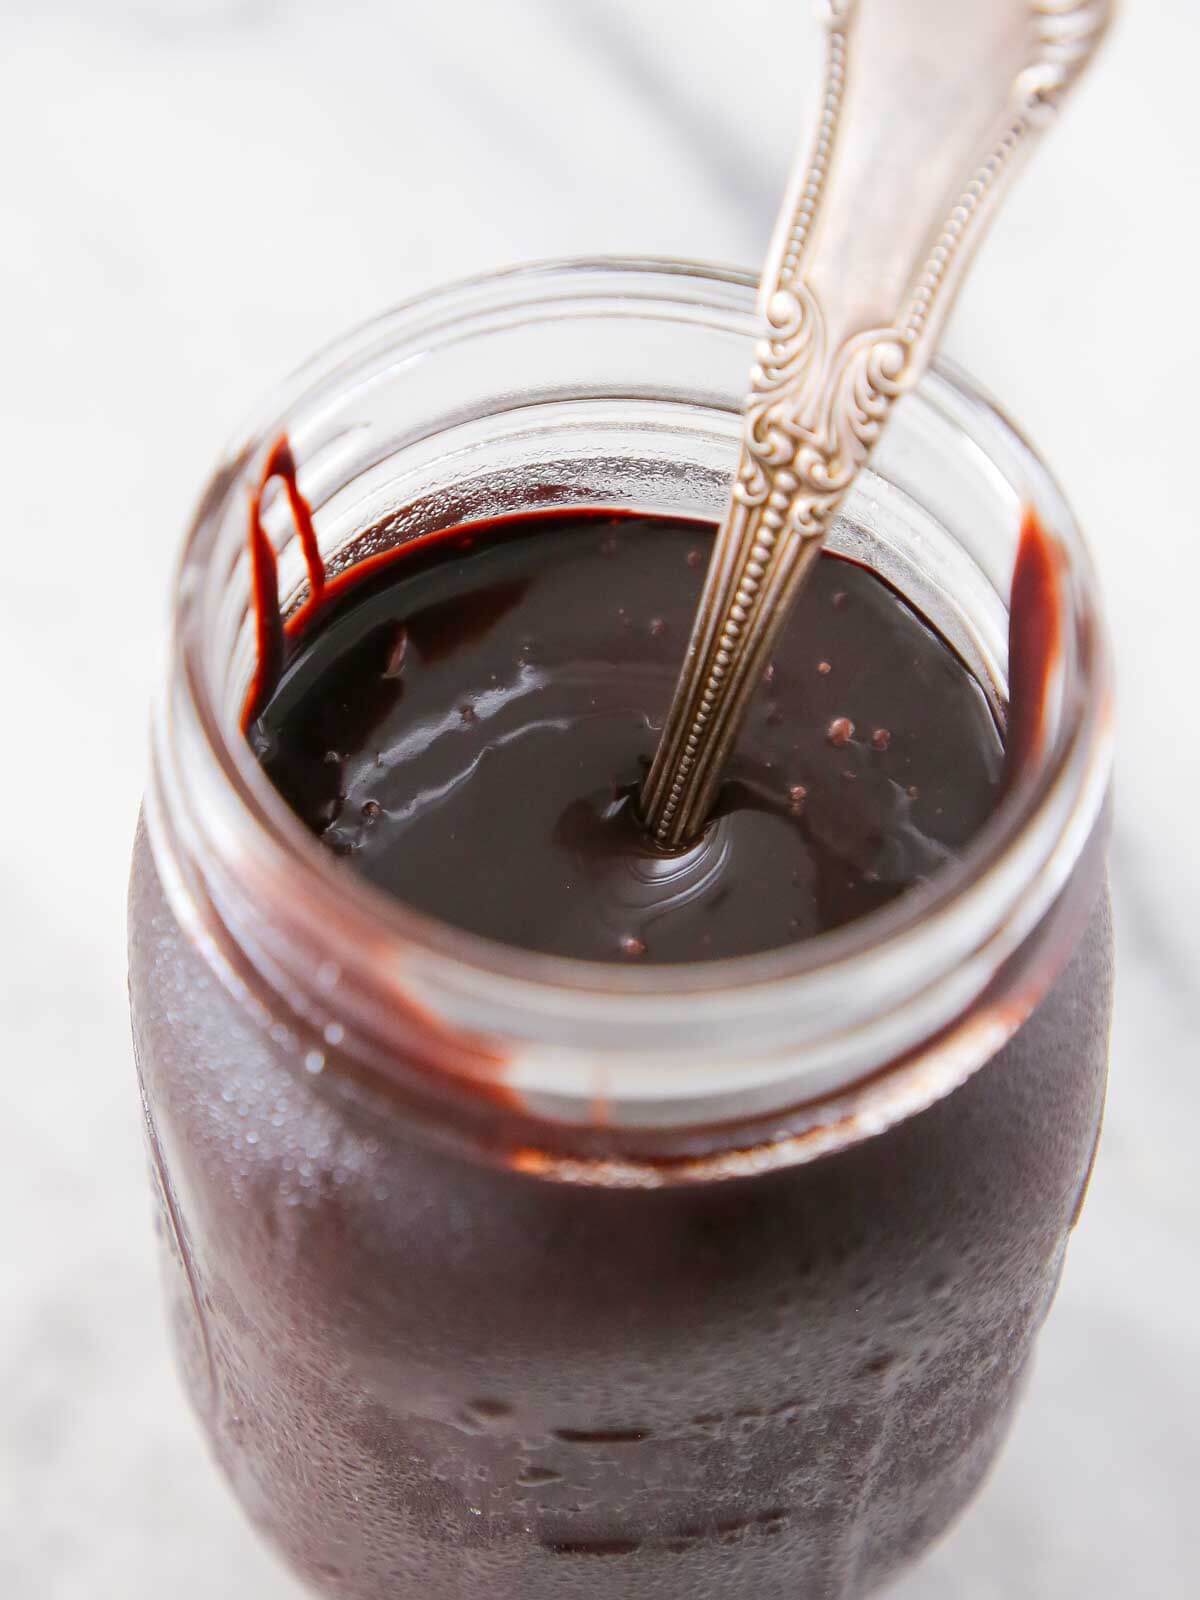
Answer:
(928, 109)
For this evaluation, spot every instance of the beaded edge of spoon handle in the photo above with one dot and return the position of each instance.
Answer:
(872, 243)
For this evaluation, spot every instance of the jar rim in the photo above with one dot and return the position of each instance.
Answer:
(1008, 875)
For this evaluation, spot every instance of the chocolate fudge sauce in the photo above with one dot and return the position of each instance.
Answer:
(469, 729)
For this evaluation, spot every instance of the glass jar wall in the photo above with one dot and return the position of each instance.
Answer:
(764, 1323)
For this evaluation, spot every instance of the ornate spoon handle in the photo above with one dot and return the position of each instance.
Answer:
(928, 108)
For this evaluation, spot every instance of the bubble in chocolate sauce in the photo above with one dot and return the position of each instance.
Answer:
(881, 738)
(534, 1475)
(632, 946)
(824, 668)
(488, 1410)
(840, 732)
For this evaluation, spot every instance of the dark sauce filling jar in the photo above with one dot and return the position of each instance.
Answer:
(494, 1271)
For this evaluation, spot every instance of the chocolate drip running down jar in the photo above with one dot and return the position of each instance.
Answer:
(494, 1272)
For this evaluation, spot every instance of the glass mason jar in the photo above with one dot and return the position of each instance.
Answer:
(499, 1273)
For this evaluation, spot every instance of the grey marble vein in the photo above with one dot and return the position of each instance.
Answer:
(688, 115)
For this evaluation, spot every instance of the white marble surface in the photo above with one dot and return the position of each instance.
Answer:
(151, 288)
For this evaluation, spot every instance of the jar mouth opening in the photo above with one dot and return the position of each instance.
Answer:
(1007, 875)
